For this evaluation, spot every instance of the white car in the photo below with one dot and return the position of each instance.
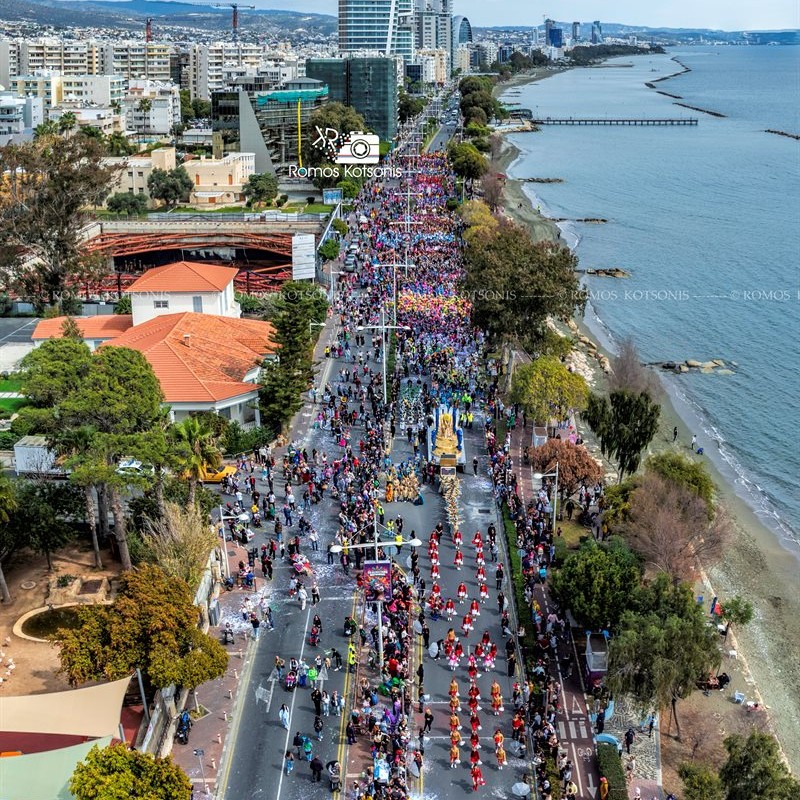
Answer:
(130, 466)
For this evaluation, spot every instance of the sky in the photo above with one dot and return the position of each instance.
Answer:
(716, 14)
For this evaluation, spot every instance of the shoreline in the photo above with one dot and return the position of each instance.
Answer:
(755, 564)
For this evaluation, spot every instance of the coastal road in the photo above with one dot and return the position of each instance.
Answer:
(442, 136)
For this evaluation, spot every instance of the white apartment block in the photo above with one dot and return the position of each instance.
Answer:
(104, 118)
(461, 59)
(152, 107)
(19, 116)
(102, 90)
(136, 59)
(135, 170)
(46, 86)
(434, 65)
(208, 64)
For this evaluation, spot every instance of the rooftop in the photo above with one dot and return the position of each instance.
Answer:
(100, 327)
(184, 276)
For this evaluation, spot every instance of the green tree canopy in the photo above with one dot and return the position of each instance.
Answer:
(514, 284)
(662, 649)
(51, 184)
(755, 769)
(547, 390)
(200, 447)
(152, 624)
(170, 186)
(625, 424)
(53, 369)
(329, 249)
(467, 160)
(127, 203)
(597, 583)
(409, 106)
(686, 472)
(261, 188)
(700, 782)
(116, 773)
(8, 539)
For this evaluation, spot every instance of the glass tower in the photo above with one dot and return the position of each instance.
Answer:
(384, 26)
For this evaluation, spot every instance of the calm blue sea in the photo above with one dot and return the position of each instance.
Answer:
(707, 220)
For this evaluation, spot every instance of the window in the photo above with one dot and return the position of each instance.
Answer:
(160, 303)
(197, 304)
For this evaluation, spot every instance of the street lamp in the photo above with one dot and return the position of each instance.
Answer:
(383, 327)
(242, 517)
(375, 543)
(394, 265)
(538, 476)
(312, 325)
(333, 274)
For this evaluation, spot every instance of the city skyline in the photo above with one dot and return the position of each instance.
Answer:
(711, 14)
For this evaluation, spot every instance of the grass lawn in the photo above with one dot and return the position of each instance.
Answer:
(212, 210)
(572, 532)
(318, 208)
(12, 404)
(10, 385)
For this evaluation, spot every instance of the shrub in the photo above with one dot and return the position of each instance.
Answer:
(7, 440)
(610, 766)
(329, 249)
(310, 199)
(452, 204)
(123, 305)
(238, 440)
(340, 226)
(285, 198)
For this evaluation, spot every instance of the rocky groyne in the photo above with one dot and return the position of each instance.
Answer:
(701, 110)
(783, 133)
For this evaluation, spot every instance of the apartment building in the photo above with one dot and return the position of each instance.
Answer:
(134, 171)
(136, 59)
(19, 116)
(104, 118)
(152, 107)
(210, 63)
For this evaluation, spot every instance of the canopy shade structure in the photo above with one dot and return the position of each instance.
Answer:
(92, 712)
(44, 776)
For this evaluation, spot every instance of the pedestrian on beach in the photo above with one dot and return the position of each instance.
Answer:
(694, 441)
(674, 434)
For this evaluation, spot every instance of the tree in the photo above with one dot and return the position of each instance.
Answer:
(91, 132)
(329, 249)
(755, 769)
(127, 203)
(124, 305)
(670, 528)
(52, 370)
(628, 373)
(261, 188)
(475, 114)
(201, 450)
(492, 185)
(180, 541)
(116, 773)
(201, 108)
(737, 611)
(700, 783)
(481, 224)
(546, 389)
(515, 284)
(283, 383)
(576, 467)
(187, 112)
(596, 583)
(71, 330)
(51, 184)
(662, 649)
(67, 122)
(625, 424)
(408, 107)
(8, 542)
(170, 186)
(119, 145)
(152, 624)
(330, 117)
(45, 515)
(685, 472)
(120, 398)
(466, 160)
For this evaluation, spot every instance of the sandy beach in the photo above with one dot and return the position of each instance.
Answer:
(755, 565)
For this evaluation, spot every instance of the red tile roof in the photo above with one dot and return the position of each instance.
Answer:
(201, 357)
(184, 276)
(100, 327)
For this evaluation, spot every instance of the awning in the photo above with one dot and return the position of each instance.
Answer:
(43, 776)
(94, 711)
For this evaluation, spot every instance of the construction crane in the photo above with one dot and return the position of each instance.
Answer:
(148, 29)
(235, 7)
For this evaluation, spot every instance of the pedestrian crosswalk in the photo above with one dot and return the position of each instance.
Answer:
(571, 729)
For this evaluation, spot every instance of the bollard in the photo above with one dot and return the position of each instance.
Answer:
(225, 716)
(219, 738)
(236, 675)
(240, 654)
(230, 694)
(213, 763)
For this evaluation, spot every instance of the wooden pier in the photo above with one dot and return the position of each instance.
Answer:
(598, 121)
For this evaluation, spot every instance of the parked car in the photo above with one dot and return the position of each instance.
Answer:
(216, 474)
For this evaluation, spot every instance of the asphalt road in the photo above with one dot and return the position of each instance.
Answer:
(442, 137)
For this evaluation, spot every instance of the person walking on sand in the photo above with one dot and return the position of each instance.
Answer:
(674, 434)
(694, 441)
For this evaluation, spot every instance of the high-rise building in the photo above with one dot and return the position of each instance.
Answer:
(135, 60)
(265, 122)
(208, 63)
(462, 31)
(382, 26)
(576, 31)
(555, 37)
(597, 32)
(433, 26)
(367, 84)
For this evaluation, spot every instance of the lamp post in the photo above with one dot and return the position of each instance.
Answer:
(383, 328)
(333, 274)
(538, 476)
(394, 265)
(243, 517)
(375, 543)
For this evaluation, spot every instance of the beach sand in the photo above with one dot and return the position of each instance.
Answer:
(755, 564)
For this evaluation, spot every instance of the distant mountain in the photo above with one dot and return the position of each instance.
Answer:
(130, 14)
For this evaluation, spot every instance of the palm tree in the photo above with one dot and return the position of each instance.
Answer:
(44, 129)
(201, 442)
(8, 503)
(67, 122)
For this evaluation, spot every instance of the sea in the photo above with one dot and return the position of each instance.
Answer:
(707, 221)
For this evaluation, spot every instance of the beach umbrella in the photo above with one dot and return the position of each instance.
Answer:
(520, 789)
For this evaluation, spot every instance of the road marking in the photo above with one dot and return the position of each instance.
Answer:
(576, 706)
(562, 730)
(291, 707)
(577, 772)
